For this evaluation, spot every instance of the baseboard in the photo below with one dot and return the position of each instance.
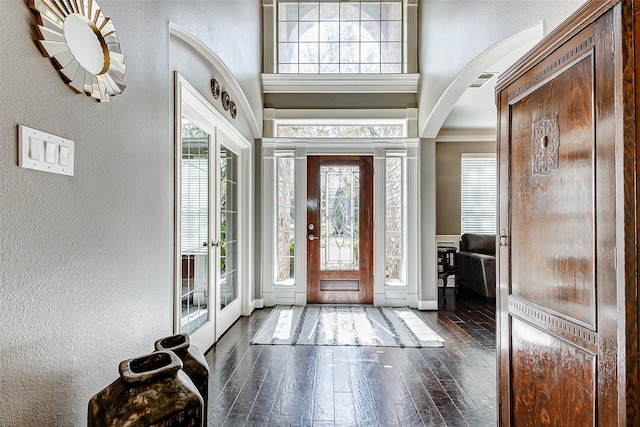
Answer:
(257, 303)
(428, 305)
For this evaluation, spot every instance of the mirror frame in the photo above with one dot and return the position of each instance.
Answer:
(52, 42)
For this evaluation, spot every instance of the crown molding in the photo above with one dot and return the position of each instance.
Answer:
(340, 83)
(337, 115)
(466, 135)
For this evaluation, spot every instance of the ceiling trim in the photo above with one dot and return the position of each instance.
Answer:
(341, 145)
(466, 135)
(224, 74)
(340, 83)
(332, 114)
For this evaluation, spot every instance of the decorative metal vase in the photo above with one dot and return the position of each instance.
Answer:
(193, 361)
(151, 390)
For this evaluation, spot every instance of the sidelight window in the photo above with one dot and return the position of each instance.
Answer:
(286, 218)
(394, 220)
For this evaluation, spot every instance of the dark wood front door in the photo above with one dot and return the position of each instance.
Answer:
(559, 342)
(340, 230)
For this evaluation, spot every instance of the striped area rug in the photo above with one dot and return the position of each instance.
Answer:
(346, 325)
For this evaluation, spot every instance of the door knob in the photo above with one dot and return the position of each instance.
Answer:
(312, 237)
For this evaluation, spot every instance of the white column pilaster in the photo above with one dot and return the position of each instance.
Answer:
(301, 225)
(379, 216)
(412, 228)
(411, 36)
(428, 290)
(269, 36)
(268, 214)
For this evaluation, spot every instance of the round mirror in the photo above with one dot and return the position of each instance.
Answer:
(86, 44)
(83, 46)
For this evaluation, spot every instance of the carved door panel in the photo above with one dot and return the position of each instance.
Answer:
(557, 254)
(340, 230)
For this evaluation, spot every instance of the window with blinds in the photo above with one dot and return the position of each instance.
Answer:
(478, 193)
(195, 195)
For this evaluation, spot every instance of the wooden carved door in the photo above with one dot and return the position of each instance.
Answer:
(559, 325)
(340, 230)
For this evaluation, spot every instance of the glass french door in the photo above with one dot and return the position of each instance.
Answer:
(208, 234)
(228, 305)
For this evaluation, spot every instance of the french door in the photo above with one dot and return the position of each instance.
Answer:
(339, 230)
(208, 215)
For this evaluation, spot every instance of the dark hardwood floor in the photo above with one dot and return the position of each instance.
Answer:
(347, 386)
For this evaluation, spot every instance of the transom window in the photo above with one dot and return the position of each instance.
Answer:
(340, 37)
(340, 131)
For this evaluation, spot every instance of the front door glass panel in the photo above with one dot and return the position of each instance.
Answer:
(339, 233)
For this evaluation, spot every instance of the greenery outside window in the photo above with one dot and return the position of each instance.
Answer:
(286, 219)
(340, 37)
(394, 222)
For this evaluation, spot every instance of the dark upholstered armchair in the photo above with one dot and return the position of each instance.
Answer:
(476, 263)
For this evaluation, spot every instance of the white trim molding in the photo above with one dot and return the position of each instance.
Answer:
(428, 305)
(340, 146)
(380, 149)
(233, 87)
(334, 115)
(340, 83)
(467, 135)
(406, 117)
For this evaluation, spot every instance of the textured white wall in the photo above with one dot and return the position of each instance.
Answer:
(86, 270)
(454, 32)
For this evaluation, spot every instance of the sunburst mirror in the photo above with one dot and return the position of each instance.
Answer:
(82, 44)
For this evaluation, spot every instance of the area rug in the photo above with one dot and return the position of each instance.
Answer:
(346, 325)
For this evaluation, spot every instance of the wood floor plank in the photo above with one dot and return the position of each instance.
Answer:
(324, 406)
(363, 400)
(221, 404)
(295, 394)
(260, 414)
(244, 402)
(345, 412)
(348, 386)
(384, 388)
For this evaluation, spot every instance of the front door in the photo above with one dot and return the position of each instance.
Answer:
(340, 230)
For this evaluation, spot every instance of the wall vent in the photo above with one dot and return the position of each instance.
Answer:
(482, 79)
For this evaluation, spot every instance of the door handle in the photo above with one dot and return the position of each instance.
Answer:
(312, 237)
(503, 238)
(219, 243)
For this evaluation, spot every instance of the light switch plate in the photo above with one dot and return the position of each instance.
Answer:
(42, 151)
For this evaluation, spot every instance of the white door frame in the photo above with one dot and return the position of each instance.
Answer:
(190, 103)
(384, 294)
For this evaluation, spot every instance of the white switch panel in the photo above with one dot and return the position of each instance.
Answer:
(44, 152)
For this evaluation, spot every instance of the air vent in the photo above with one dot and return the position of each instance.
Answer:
(482, 79)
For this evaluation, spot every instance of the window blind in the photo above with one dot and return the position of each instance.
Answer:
(195, 205)
(478, 193)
